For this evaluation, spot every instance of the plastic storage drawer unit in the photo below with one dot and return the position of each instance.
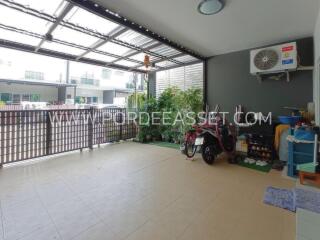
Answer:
(299, 153)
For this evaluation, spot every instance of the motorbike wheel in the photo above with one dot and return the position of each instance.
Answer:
(183, 148)
(208, 153)
(190, 149)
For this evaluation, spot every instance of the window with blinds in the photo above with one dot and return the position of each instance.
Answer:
(183, 77)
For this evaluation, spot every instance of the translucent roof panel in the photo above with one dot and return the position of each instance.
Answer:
(114, 49)
(52, 7)
(134, 38)
(18, 37)
(18, 62)
(185, 59)
(91, 21)
(80, 41)
(73, 36)
(140, 57)
(127, 63)
(100, 57)
(165, 51)
(165, 64)
(62, 48)
(23, 21)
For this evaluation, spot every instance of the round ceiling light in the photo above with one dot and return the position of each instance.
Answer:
(210, 7)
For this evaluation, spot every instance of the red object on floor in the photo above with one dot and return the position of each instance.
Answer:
(312, 177)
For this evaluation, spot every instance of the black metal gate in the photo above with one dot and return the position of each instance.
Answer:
(36, 133)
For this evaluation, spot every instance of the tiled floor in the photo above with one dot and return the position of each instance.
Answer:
(136, 192)
(307, 225)
(307, 222)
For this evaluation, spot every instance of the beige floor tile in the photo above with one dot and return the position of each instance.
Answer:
(47, 232)
(97, 232)
(125, 222)
(139, 191)
(72, 217)
(48, 192)
(203, 231)
(24, 218)
(151, 230)
(1, 224)
(175, 220)
(151, 206)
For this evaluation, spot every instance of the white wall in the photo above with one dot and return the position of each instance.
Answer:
(316, 87)
(47, 94)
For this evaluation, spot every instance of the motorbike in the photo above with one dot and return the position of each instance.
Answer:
(210, 138)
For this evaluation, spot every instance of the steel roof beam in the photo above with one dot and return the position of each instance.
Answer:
(51, 53)
(171, 57)
(117, 32)
(137, 52)
(183, 65)
(165, 59)
(62, 15)
(33, 12)
(21, 31)
(27, 10)
(44, 16)
(115, 17)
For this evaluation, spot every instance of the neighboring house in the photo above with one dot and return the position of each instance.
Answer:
(96, 85)
(17, 91)
(29, 77)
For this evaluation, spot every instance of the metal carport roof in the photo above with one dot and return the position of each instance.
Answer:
(81, 30)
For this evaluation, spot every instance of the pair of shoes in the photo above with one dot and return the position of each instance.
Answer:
(261, 163)
(250, 161)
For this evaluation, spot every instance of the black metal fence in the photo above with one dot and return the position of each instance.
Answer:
(36, 133)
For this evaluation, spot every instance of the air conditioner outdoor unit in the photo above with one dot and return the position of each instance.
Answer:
(275, 59)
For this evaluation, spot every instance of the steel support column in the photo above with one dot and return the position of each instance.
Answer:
(205, 84)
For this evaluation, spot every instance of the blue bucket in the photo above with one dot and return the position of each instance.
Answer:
(291, 120)
(302, 134)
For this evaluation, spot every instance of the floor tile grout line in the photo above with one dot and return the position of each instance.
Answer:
(28, 234)
(86, 230)
(77, 197)
(92, 209)
(151, 218)
(47, 211)
(2, 219)
(136, 230)
(151, 164)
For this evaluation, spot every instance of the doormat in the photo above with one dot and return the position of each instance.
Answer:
(165, 144)
(265, 169)
(292, 199)
(282, 198)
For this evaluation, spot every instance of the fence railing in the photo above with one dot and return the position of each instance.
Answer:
(30, 134)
